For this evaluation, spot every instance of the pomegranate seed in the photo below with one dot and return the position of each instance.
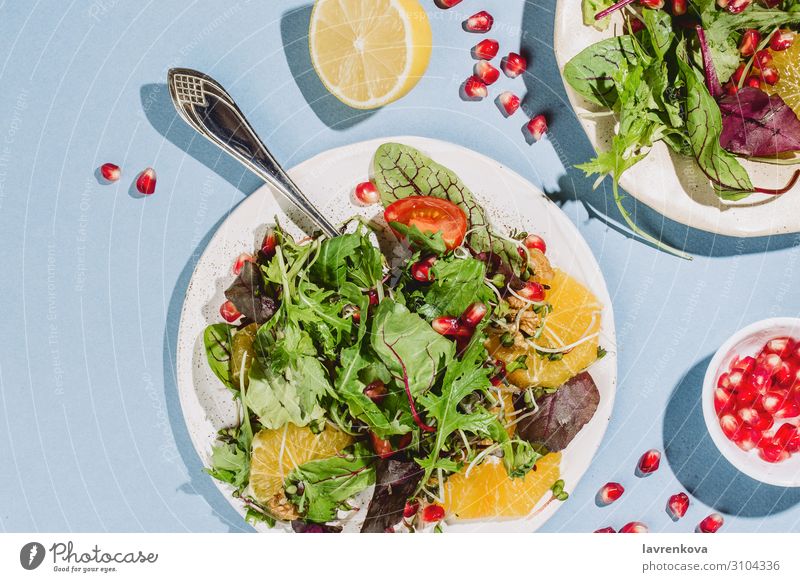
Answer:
(534, 241)
(412, 507)
(789, 409)
(383, 448)
(788, 437)
(514, 65)
(486, 49)
(634, 26)
(110, 172)
(770, 75)
(738, 74)
(652, 4)
(537, 127)
(480, 22)
(445, 325)
(146, 182)
(724, 382)
(474, 88)
(711, 523)
(375, 391)
(761, 377)
(229, 312)
(610, 492)
(763, 59)
(735, 379)
(532, 291)
(356, 314)
(780, 346)
(746, 395)
(473, 315)
(747, 438)
(773, 401)
(268, 244)
(634, 527)
(785, 375)
(773, 452)
(649, 461)
(404, 441)
(240, 261)
(509, 103)
(486, 72)
(758, 420)
(367, 193)
(753, 81)
(679, 7)
(678, 504)
(744, 365)
(373, 297)
(723, 401)
(749, 43)
(723, 3)
(738, 6)
(781, 40)
(421, 270)
(605, 530)
(433, 513)
(448, 3)
(730, 425)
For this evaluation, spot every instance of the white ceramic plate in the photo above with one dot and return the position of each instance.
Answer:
(328, 179)
(670, 184)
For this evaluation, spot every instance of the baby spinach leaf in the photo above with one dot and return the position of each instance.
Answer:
(658, 24)
(217, 339)
(321, 486)
(591, 71)
(349, 257)
(457, 283)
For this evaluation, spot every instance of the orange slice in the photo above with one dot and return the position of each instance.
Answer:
(788, 65)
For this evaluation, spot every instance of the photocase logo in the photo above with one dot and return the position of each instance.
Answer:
(31, 555)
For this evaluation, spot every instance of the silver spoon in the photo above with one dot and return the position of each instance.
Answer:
(206, 106)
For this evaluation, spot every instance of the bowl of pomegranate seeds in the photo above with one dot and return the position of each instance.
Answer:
(751, 400)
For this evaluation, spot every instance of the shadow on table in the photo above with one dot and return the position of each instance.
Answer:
(200, 483)
(547, 95)
(702, 469)
(331, 111)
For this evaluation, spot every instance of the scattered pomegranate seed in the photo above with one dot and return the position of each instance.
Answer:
(738, 6)
(268, 244)
(508, 102)
(723, 3)
(634, 26)
(730, 425)
(711, 523)
(473, 314)
(383, 448)
(537, 127)
(763, 58)
(610, 492)
(781, 40)
(738, 74)
(366, 193)
(146, 182)
(514, 65)
(770, 75)
(445, 325)
(679, 7)
(448, 3)
(421, 270)
(486, 50)
(229, 312)
(605, 530)
(634, 527)
(373, 297)
(375, 391)
(240, 261)
(110, 172)
(480, 22)
(773, 452)
(749, 43)
(532, 291)
(433, 513)
(412, 507)
(678, 504)
(486, 72)
(474, 88)
(753, 81)
(534, 241)
(652, 4)
(649, 461)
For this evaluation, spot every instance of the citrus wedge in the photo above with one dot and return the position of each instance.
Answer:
(369, 53)
(488, 491)
(788, 65)
(277, 452)
(575, 316)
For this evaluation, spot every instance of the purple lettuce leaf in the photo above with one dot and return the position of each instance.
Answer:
(757, 124)
(396, 480)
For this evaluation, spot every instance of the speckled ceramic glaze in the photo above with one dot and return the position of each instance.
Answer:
(328, 179)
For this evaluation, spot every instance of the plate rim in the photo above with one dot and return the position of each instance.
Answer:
(185, 350)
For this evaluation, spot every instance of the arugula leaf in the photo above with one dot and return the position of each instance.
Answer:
(402, 171)
(350, 257)
(425, 242)
(457, 283)
(318, 488)
(230, 464)
(591, 71)
(217, 339)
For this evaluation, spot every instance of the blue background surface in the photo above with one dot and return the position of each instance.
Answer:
(91, 433)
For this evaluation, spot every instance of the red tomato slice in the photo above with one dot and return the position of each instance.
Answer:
(430, 215)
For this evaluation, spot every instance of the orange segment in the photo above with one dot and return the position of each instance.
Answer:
(575, 315)
(488, 491)
(277, 452)
(788, 65)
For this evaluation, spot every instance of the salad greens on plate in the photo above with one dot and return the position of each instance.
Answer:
(365, 378)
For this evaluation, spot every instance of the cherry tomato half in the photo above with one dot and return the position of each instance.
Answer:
(430, 215)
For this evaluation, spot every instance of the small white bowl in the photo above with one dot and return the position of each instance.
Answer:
(748, 342)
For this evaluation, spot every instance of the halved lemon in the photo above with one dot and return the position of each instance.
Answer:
(369, 53)
(788, 65)
(277, 452)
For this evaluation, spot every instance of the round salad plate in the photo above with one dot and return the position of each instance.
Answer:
(328, 179)
(671, 184)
